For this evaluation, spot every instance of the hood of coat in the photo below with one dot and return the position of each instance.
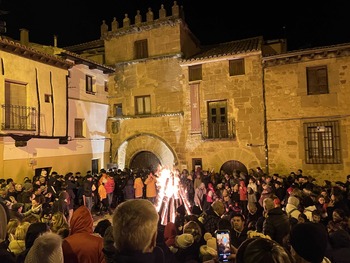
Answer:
(170, 233)
(293, 200)
(81, 221)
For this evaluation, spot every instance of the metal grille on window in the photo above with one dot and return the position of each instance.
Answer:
(322, 142)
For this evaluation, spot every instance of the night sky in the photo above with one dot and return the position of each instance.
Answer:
(305, 24)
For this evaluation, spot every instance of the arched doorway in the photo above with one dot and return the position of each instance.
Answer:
(230, 166)
(144, 160)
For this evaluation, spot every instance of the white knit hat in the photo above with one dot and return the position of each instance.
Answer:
(184, 240)
(47, 248)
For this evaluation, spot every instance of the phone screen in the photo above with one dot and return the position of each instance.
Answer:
(223, 245)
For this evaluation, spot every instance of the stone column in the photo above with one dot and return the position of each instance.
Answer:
(138, 18)
(149, 15)
(162, 12)
(115, 24)
(126, 21)
(104, 28)
(175, 10)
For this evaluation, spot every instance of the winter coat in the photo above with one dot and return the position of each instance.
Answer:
(339, 251)
(102, 193)
(129, 191)
(109, 185)
(169, 234)
(151, 187)
(292, 207)
(17, 246)
(243, 196)
(138, 186)
(82, 246)
(276, 225)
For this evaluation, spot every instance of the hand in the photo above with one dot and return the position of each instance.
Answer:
(233, 253)
(232, 257)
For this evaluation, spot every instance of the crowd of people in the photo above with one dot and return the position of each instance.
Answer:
(270, 218)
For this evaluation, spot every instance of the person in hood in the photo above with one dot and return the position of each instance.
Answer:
(82, 246)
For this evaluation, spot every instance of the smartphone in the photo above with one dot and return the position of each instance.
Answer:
(223, 244)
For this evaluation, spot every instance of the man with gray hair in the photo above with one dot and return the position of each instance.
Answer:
(135, 227)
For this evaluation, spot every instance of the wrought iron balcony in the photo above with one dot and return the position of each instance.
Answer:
(217, 131)
(15, 117)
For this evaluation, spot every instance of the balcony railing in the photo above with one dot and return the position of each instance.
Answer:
(212, 131)
(15, 117)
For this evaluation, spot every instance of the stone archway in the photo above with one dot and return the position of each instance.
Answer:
(230, 166)
(145, 142)
(146, 160)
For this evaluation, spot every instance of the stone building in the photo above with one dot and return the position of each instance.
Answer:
(180, 105)
(33, 106)
(54, 109)
(307, 111)
(235, 105)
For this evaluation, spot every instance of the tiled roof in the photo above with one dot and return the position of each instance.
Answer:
(229, 48)
(90, 63)
(99, 43)
(31, 53)
(297, 56)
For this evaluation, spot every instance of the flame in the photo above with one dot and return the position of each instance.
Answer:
(171, 195)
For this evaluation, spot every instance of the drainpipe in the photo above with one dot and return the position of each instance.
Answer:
(38, 98)
(265, 121)
(52, 106)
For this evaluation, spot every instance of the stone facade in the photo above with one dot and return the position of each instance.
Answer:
(268, 107)
(289, 107)
(166, 130)
(33, 107)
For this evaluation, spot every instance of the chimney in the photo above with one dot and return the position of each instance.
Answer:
(24, 36)
(54, 40)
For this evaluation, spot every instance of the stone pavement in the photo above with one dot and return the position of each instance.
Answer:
(98, 218)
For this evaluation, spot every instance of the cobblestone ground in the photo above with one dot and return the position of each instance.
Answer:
(97, 218)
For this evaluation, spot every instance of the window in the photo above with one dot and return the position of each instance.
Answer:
(195, 73)
(317, 80)
(236, 67)
(48, 98)
(106, 86)
(196, 164)
(143, 105)
(17, 115)
(322, 142)
(79, 128)
(217, 119)
(89, 84)
(118, 110)
(141, 49)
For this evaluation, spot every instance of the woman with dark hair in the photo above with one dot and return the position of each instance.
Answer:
(261, 250)
(337, 201)
(34, 230)
(101, 227)
(339, 221)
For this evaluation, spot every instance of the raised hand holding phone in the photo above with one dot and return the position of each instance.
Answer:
(223, 245)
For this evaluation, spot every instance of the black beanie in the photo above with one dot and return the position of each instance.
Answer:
(309, 240)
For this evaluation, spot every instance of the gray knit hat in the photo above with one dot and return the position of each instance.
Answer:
(47, 248)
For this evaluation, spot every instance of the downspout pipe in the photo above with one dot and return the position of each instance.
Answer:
(52, 106)
(38, 98)
(67, 106)
(265, 121)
